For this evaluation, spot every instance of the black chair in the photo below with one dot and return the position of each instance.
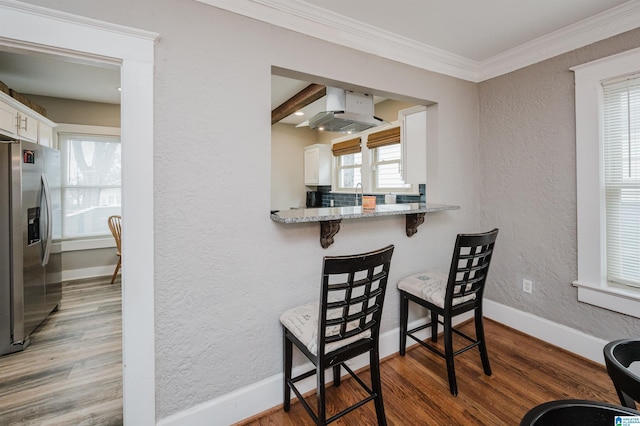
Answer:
(618, 357)
(345, 324)
(572, 412)
(447, 296)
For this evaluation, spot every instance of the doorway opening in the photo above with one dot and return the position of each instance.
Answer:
(73, 36)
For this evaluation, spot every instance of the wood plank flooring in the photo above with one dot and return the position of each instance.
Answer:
(71, 373)
(526, 372)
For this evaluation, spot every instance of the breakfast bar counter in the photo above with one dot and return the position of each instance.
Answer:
(330, 217)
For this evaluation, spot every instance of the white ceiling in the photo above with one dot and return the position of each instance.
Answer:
(473, 29)
(47, 75)
(468, 39)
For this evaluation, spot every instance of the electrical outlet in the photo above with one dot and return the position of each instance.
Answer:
(527, 286)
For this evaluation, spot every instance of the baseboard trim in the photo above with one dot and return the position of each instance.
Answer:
(564, 337)
(266, 394)
(81, 274)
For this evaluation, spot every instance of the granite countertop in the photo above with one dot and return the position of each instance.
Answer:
(322, 214)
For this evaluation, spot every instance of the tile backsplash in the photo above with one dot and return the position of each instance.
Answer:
(342, 200)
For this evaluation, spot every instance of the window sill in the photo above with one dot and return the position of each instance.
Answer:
(623, 300)
(88, 244)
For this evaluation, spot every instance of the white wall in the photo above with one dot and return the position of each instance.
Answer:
(224, 270)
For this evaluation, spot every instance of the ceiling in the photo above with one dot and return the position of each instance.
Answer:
(472, 29)
(48, 75)
(469, 39)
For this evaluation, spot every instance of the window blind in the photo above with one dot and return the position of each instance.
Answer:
(621, 128)
(383, 138)
(351, 146)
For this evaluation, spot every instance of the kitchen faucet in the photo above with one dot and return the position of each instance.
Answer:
(361, 192)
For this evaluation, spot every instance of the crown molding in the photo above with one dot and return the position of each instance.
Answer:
(607, 24)
(314, 21)
(308, 19)
(56, 15)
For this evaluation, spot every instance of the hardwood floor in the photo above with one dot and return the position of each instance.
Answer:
(526, 372)
(71, 373)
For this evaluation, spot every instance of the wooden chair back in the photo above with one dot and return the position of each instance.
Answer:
(115, 225)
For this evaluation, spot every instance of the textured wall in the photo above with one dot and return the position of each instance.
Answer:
(528, 172)
(224, 270)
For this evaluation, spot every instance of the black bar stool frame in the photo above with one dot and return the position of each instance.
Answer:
(348, 325)
(464, 292)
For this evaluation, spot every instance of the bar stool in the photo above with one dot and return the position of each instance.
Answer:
(447, 296)
(344, 324)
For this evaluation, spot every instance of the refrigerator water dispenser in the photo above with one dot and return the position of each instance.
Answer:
(33, 225)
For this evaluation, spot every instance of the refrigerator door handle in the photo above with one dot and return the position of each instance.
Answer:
(47, 199)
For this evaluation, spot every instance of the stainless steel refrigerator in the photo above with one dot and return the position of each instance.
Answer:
(30, 258)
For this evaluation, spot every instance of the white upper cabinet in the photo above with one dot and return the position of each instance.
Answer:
(45, 134)
(317, 165)
(8, 121)
(17, 121)
(27, 128)
(413, 138)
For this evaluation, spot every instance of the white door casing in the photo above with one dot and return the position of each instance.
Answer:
(39, 29)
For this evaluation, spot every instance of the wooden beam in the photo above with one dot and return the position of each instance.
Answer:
(309, 94)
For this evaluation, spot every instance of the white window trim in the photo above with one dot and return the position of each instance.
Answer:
(77, 244)
(335, 172)
(592, 278)
(375, 162)
(87, 130)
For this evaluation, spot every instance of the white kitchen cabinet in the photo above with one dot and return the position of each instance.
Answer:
(8, 120)
(17, 121)
(45, 134)
(317, 165)
(413, 139)
(27, 127)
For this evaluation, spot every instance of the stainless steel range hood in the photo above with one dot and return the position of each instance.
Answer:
(346, 112)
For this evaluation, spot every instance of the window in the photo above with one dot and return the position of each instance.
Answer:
(377, 165)
(621, 126)
(386, 164)
(387, 168)
(91, 183)
(348, 161)
(608, 201)
(349, 170)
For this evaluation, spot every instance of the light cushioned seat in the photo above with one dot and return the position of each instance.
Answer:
(430, 286)
(302, 322)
